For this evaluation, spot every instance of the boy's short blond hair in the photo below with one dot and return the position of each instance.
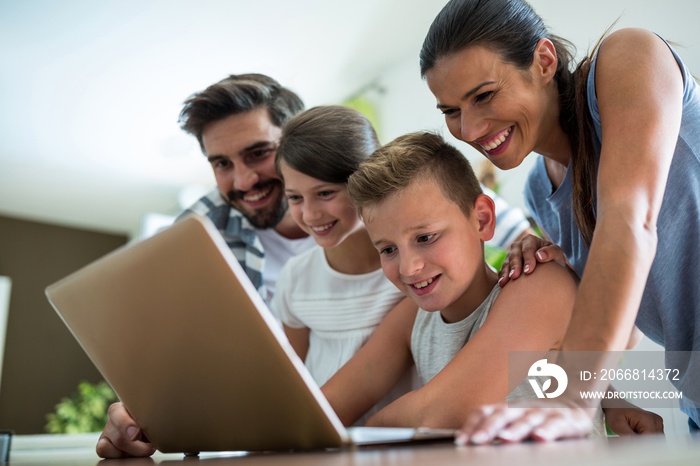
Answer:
(393, 167)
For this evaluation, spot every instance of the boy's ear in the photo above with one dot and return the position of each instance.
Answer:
(485, 213)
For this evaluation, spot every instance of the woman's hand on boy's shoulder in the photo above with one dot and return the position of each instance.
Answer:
(524, 255)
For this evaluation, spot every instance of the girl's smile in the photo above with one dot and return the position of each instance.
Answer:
(324, 229)
(320, 208)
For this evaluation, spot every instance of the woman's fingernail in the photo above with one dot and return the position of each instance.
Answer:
(479, 437)
(527, 268)
(510, 274)
(540, 255)
(461, 440)
(506, 435)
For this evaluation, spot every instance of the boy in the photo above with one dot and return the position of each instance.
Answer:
(426, 215)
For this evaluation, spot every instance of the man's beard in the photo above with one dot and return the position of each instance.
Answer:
(271, 215)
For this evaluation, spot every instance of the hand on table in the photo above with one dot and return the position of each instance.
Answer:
(631, 420)
(122, 437)
(529, 419)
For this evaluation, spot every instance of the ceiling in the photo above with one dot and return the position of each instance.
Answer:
(90, 91)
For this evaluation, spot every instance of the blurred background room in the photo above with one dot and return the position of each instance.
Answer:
(92, 157)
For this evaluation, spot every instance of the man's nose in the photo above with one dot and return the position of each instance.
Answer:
(244, 178)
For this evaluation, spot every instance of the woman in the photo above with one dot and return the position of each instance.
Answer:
(618, 187)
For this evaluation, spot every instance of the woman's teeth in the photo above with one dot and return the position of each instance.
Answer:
(496, 141)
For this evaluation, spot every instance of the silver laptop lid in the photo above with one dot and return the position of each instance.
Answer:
(178, 330)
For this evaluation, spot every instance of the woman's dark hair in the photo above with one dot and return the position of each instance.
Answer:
(326, 143)
(512, 29)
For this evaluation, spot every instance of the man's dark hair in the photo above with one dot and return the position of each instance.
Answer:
(236, 94)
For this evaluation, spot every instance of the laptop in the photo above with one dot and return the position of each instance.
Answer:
(177, 329)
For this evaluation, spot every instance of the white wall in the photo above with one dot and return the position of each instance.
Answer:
(5, 288)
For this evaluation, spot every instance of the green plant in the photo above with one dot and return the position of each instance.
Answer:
(84, 412)
(494, 256)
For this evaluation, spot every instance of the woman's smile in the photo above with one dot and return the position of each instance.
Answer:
(495, 145)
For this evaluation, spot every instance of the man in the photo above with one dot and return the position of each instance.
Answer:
(238, 122)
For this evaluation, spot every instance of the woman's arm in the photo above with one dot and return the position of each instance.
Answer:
(639, 87)
(530, 314)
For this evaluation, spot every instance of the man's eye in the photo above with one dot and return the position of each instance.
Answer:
(449, 111)
(260, 153)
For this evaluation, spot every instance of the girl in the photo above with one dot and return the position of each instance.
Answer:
(331, 298)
